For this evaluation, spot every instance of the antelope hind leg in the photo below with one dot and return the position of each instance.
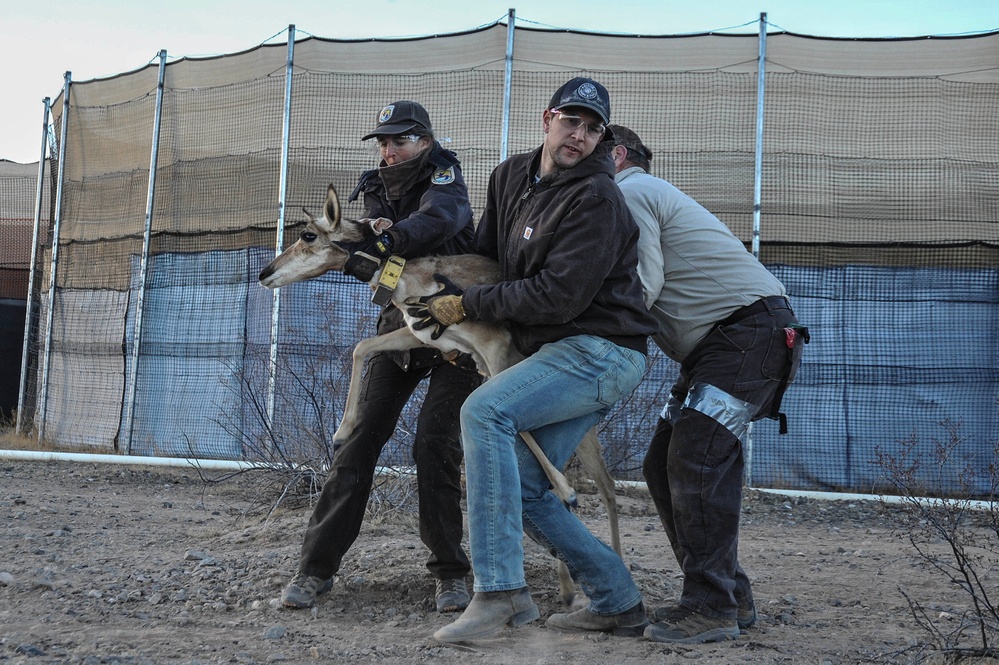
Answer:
(564, 491)
(592, 459)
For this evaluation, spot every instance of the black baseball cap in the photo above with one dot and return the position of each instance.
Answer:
(401, 117)
(584, 92)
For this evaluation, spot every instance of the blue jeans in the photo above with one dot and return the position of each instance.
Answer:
(557, 394)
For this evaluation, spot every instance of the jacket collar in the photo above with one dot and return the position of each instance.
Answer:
(599, 161)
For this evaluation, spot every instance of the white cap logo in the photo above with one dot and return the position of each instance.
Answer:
(386, 113)
(587, 91)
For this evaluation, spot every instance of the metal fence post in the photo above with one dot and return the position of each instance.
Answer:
(758, 166)
(507, 83)
(28, 310)
(747, 448)
(279, 239)
(128, 418)
(53, 263)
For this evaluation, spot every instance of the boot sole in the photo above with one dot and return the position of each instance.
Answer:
(713, 635)
(636, 630)
(745, 620)
(294, 605)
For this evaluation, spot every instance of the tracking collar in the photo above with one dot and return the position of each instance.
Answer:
(388, 280)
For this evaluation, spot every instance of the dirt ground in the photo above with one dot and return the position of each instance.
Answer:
(125, 564)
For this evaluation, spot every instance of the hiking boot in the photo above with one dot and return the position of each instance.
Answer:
(669, 614)
(630, 623)
(452, 595)
(488, 612)
(694, 628)
(746, 617)
(302, 591)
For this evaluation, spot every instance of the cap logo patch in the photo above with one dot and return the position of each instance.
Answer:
(386, 113)
(587, 91)
(443, 176)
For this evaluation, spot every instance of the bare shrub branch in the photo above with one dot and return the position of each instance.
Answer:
(954, 534)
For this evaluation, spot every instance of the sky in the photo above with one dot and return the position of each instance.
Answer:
(40, 40)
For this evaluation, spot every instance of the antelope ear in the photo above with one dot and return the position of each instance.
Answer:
(332, 207)
(322, 224)
(380, 225)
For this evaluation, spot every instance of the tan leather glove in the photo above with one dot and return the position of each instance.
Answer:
(447, 310)
(440, 309)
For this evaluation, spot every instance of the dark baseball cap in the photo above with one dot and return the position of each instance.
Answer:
(584, 92)
(621, 135)
(401, 117)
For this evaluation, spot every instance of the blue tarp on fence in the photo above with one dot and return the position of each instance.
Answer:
(203, 377)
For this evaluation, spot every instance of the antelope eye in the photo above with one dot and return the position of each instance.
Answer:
(309, 236)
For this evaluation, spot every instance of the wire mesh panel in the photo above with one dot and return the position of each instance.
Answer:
(18, 194)
(880, 205)
(880, 196)
(18, 189)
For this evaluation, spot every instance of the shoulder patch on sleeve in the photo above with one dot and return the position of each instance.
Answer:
(443, 176)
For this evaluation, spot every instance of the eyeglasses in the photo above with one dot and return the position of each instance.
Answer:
(574, 122)
(398, 141)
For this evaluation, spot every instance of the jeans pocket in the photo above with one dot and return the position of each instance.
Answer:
(621, 378)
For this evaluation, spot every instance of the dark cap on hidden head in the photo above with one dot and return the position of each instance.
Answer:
(583, 92)
(399, 118)
(621, 135)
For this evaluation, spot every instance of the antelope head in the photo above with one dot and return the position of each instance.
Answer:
(316, 251)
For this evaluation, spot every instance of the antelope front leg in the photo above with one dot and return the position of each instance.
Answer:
(397, 340)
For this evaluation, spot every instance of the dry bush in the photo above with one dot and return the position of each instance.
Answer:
(966, 525)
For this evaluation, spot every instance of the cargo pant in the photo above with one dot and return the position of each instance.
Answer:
(339, 512)
(694, 466)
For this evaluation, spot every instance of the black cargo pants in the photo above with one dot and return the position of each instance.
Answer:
(339, 512)
(694, 466)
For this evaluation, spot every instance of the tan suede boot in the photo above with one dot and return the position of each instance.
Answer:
(488, 612)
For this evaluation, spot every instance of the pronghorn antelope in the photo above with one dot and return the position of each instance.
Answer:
(491, 346)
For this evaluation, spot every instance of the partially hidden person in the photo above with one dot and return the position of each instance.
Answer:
(728, 321)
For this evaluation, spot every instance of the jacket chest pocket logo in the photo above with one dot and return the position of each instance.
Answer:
(527, 232)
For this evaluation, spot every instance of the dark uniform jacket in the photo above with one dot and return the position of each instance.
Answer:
(433, 217)
(567, 244)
